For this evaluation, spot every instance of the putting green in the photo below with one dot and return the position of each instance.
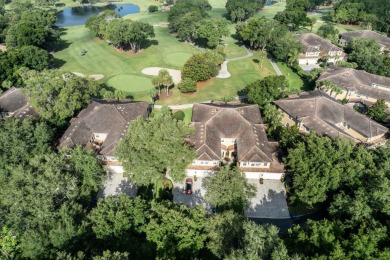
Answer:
(177, 58)
(130, 83)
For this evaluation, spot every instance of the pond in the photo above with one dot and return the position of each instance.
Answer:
(73, 16)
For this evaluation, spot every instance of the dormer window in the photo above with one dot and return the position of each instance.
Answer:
(374, 85)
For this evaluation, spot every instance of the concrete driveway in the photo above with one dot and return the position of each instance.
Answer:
(197, 196)
(269, 202)
(307, 68)
(116, 184)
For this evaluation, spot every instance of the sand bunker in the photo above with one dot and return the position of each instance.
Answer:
(93, 76)
(153, 71)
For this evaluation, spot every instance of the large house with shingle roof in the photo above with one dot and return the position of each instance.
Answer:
(316, 111)
(316, 47)
(101, 125)
(356, 85)
(15, 103)
(231, 133)
(383, 40)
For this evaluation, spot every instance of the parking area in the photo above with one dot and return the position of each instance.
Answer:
(269, 202)
(196, 198)
(115, 184)
(308, 67)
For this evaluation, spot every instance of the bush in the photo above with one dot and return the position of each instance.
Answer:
(152, 8)
(202, 66)
(179, 115)
(187, 85)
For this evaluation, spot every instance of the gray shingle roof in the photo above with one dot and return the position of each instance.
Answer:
(243, 123)
(320, 113)
(16, 103)
(311, 40)
(103, 117)
(359, 81)
(382, 39)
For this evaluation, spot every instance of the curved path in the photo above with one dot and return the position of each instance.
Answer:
(224, 73)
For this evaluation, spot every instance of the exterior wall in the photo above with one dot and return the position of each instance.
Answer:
(204, 163)
(253, 164)
(264, 175)
(307, 61)
(199, 173)
(115, 169)
(99, 137)
(374, 138)
(287, 120)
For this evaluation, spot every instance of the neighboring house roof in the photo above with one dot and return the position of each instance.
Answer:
(320, 113)
(243, 123)
(359, 81)
(382, 39)
(16, 104)
(111, 117)
(311, 41)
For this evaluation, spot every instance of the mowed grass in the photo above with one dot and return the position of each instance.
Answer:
(294, 81)
(123, 71)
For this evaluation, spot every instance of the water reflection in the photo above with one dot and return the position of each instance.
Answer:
(78, 15)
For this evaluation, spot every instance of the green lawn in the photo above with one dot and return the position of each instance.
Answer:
(188, 113)
(270, 10)
(294, 81)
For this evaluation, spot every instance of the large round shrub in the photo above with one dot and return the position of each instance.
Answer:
(179, 115)
(187, 85)
(202, 66)
(152, 8)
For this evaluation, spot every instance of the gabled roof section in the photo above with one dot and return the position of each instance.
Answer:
(310, 41)
(110, 117)
(382, 39)
(320, 113)
(213, 122)
(16, 103)
(358, 80)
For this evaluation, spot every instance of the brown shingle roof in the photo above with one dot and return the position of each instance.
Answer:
(103, 117)
(14, 102)
(320, 113)
(243, 123)
(310, 41)
(382, 39)
(359, 81)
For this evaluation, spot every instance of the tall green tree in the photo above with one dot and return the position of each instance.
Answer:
(58, 95)
(177, 230)
(212, 30)
(163, 79)
(240, 10)
(228, 189)
(264, 91)
(155, 146)
(328, 31)
(261, 32)
(224, 231)
(98, 23)
(259, 242)
(378, 111)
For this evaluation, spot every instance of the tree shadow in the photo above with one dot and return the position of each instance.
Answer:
(148, 43)
(237, 38)
(56, 63)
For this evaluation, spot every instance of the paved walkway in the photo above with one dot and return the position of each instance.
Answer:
(116, 184)
(184, 106)
(224, 73)
(275, 66)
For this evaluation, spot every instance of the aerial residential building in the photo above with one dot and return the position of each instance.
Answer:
(14, 103)
(226, 134)
(316, 47)
(101, 125)
(356, 85)
(316, 111)
(383, 41)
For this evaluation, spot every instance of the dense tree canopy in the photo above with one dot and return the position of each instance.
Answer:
(378, 111)
(264, 91)
(202, 66)
(240, 10)
(51, 191)
(154, 146)
(34, 27)
(366, 54)
(177, 230)
(30, 57)
(98, 23)
(228, 189)
(328, 31)
(58, 95)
